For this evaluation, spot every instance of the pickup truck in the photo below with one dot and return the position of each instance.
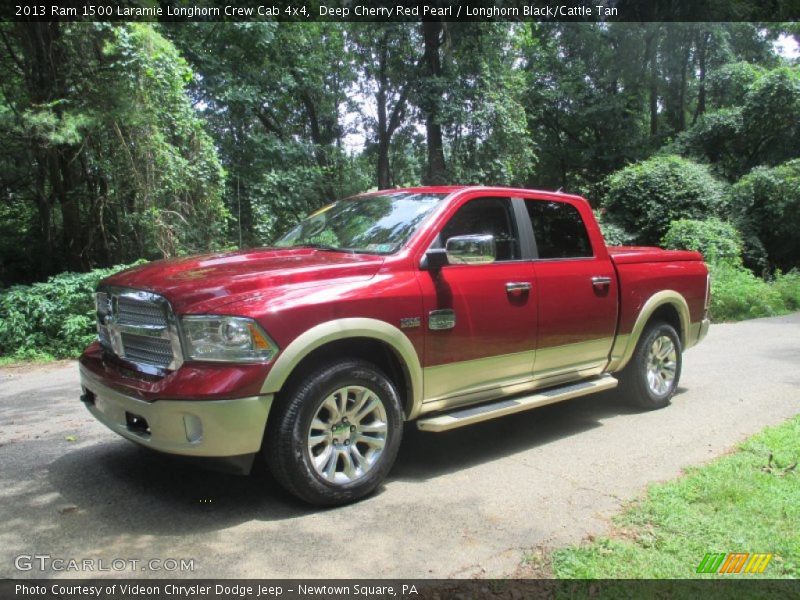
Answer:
(445, 306)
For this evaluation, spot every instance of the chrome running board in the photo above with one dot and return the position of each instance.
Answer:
(507, 406)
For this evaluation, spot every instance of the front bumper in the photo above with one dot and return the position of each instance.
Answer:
(209, 428)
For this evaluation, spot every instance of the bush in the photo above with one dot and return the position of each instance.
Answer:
(54, 319)
(613, 234)
(766, 205)
(716, 240)
(737, 294)
(646, 197)
(788, 288)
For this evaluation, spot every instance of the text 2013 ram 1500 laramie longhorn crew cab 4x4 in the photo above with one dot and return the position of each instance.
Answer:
(440, 305)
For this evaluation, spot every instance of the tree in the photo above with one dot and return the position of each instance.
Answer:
(766, 206)
(431, 91)
(389, 62)
(118, 163)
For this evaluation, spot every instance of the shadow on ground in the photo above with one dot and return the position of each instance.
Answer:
(125, 488)
(425, 455)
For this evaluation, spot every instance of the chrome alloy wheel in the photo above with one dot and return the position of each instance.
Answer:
(662, 362)
(347, 434)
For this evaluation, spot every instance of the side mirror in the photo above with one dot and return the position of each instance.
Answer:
(434, 259)
(471, 250)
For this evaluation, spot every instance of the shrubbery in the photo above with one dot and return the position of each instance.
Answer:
(766, 205)
(716, 240)
(736, 293)
(54, 319)
(613, 234)
(646, 197)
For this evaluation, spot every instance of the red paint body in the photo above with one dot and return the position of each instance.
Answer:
(289, 291)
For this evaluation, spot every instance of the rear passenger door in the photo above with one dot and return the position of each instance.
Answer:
(576, 293)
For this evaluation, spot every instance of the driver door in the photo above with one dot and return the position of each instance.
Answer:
(481, 319)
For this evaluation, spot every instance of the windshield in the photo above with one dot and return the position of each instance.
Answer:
(370, 224)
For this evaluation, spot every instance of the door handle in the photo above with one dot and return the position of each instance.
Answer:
(517, 286)
(598, 281)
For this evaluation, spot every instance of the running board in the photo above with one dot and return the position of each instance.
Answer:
(507, 406)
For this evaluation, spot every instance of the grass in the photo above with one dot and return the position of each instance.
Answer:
(748, 501)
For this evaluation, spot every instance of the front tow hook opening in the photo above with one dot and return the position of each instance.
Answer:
(137, 424)
(87, 397)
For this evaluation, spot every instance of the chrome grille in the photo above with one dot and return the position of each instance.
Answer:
(136, 312)
(151, 351)
(139, 327)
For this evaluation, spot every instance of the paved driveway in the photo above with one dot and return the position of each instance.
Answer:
(467, 502)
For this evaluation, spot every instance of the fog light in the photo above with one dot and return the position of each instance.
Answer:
(194, 428)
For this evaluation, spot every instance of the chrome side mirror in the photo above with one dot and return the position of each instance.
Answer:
(471, 250)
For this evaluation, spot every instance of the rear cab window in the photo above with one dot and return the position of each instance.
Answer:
(559, 230)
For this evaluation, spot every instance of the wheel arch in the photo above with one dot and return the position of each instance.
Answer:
(667, 305)
(371, 339)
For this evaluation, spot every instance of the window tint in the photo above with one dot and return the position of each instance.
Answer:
(482, 216)
(559, 229)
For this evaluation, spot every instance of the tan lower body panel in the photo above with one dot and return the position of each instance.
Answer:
(468, 382)
(507, 406)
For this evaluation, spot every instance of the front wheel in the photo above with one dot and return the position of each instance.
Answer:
(334, 437)
(651, 377)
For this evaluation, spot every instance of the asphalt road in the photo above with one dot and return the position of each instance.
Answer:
(463, 503)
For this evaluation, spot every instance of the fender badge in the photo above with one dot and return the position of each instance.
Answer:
(409, 322)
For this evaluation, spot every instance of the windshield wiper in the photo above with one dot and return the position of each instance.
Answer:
(324, 247)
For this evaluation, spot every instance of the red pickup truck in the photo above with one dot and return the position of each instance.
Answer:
(440, 305)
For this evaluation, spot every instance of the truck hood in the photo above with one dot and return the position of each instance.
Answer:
(202, 284)
(647, 254)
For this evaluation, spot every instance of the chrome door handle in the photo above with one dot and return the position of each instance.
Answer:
(601, 281)
(517, 286)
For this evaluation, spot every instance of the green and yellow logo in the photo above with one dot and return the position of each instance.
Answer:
(733, 562)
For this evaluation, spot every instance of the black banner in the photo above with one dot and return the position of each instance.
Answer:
(436, 589)
(405, 10)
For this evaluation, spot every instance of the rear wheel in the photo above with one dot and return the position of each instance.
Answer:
(334, 437)
(651, 377)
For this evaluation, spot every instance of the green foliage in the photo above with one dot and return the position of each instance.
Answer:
(646, 197)
(766, 206)
(53, 319)
(716, 240)
(116, 162)
(787, 286)
(613, 234)
(728, 85)
(756, 123)
(737, 294)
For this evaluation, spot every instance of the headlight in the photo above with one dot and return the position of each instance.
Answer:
(233, 339)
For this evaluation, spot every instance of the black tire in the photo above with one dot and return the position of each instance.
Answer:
(652, 390)
(289, 429)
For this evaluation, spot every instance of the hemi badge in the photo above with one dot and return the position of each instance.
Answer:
(409, 322)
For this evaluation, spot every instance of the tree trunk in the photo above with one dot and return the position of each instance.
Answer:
(652, 52)
(45, 79)
(432, 98)
(702, 49)
(384, 177)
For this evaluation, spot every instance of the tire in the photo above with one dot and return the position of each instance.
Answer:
(651, 377)
(335, 435)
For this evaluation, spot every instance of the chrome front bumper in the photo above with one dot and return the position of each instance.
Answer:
(210, 428)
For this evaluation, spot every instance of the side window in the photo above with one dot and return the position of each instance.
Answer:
(559, 229)
(486, 215)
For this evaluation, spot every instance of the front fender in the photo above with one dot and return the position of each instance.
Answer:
(340, 329)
